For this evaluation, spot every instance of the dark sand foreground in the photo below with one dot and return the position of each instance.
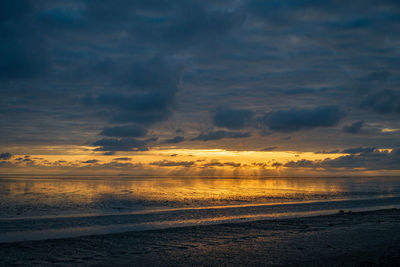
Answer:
(349, 239)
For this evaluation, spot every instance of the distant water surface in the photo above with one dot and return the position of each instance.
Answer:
(50, 207)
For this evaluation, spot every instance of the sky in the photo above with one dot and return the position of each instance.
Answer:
(200, 87)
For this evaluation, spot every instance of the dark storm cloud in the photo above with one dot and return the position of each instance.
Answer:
(352, 150)
(386, 101)
(157, 74)
(277, 13)
(14, 10)
(166, 163)
(123, 144)
(23, 53)
(140, 107)
(217, 135)
(174, 140)
(234, 119)
(150, 93)
(298, 119)
(125, 131)
(195, 24)
(170, 25)
(333, 15)
(357, 150)
(147, 62)
(353, 128)
(376, 76)
(368, 159)
(5, 156)
(124, 57)
(61, 19)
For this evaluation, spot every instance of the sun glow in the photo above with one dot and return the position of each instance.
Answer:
(165, 162)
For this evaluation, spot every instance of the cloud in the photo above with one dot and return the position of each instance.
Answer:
(276, 164)
(265, 133)
(7, 164)
(125, 131)
(357, 150)
(270, 148)
(119, 165)
(123, 144)
(23, 53)
(145, 62)
(353, 128)
(352, 150)
(234, 119)
(61, 18)
(222, 164)
(298, 119)
(197, 24)
(5, 156)
(145, 108)
(179, 131)
(91, 161)
(232, 164)
(174, 140)
(260, 164)
(335, 151)
(385, 101)
(367, 159)
(123, 159)
(26, 160)
(91, 165)
(217, 135)
(146, 96)
(376, 76)
(160, 74)
(300, 164)
(166, 163)
(168, 25)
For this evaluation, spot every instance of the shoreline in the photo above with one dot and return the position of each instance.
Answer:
(342, 239)
(40, 228)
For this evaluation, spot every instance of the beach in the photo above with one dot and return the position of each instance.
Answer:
(346, 238)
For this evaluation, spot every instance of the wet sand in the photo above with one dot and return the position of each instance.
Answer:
(343, 239)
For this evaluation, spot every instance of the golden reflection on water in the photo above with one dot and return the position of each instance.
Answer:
(187, 191)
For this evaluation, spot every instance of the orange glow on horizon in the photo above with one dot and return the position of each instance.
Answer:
(171, 161)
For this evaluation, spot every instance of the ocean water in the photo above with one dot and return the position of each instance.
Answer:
(43, 207)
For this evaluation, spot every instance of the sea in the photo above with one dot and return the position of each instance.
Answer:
(47, 207)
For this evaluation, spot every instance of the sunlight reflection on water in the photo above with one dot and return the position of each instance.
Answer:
(54, 207)
(36, 196)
